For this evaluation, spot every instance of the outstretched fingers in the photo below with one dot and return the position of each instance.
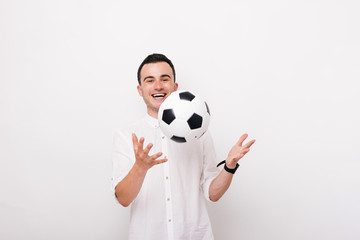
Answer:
(159, 161)
(141, 143)
(135, 142)
(242, 139)
(246, 148)
(142, 154)
(154, 158)
(148, 148)
(248, 145)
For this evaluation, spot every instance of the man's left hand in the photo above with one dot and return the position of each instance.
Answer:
(238, 151)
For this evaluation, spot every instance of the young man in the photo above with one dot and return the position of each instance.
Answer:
(166, 182)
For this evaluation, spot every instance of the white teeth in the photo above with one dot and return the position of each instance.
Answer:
(158, 95)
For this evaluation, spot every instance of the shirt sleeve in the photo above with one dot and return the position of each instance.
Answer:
(210, 171)
(122, 157)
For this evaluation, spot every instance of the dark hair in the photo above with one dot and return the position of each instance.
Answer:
(154, 58)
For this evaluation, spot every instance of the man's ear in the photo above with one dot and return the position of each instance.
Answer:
(139, 90)
(176, 86)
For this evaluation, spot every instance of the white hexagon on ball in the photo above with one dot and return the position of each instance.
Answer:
(184, 116)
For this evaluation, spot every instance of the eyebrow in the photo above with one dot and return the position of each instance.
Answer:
(164, 75)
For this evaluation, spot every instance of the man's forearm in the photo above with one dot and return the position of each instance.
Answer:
(222, 181)
(127, 190)
(219, 185)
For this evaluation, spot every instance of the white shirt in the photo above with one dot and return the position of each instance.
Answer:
(171, 201)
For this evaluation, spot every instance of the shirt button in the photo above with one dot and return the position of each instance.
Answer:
(167, 177)
(168, 199)
(165, 157)
(163, 137)
(169, 220)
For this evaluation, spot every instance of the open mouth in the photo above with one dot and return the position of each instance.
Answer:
(158, 95)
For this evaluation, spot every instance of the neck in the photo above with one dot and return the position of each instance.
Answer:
(153, 114)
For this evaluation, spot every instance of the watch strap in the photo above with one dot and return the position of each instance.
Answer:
(232, 171)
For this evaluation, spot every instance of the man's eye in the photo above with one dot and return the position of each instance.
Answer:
(165, 79)
(149, 80)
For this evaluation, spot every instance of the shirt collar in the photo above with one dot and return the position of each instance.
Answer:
(152, 121)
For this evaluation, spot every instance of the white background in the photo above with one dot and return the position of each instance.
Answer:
(286, 72)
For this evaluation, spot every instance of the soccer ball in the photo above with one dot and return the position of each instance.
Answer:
(183, 116)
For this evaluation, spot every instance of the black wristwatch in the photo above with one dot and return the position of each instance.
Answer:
(232, 171)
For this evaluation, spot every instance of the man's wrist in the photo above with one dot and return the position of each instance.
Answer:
(227, 168)
(231, 165)
(140, 168)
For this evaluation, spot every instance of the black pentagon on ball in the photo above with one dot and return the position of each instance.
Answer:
(188, 96)
(207, 108)
(195, 121)
(178, 139)
(168, 116)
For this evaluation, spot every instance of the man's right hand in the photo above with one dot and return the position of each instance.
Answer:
(128, 188)
(143, 160)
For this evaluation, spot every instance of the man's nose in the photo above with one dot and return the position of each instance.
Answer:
(158, 85)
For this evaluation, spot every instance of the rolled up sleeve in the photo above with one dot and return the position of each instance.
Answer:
(122, 158)
(210, 171)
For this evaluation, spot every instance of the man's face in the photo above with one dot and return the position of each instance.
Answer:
(157, 82)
